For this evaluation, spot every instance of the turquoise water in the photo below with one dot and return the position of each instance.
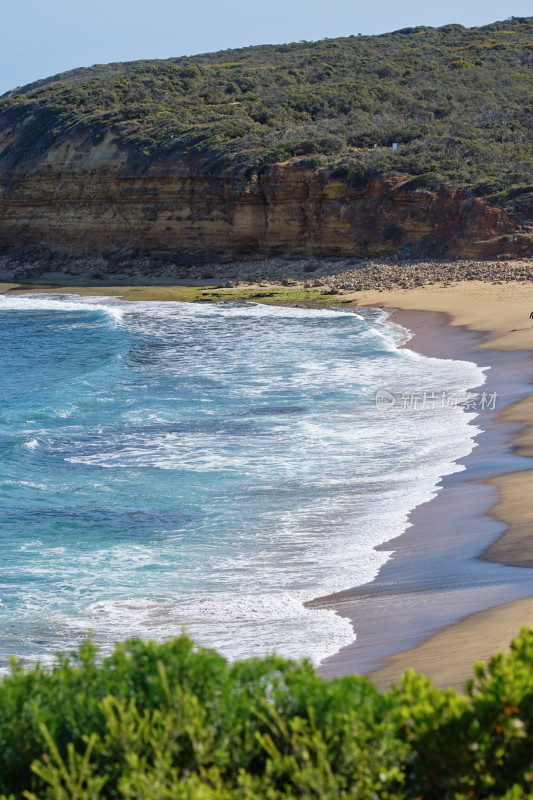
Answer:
(210, 466)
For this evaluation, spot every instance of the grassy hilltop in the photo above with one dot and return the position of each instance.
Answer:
(458, 101)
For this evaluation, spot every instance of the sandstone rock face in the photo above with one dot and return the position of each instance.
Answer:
(87, 201)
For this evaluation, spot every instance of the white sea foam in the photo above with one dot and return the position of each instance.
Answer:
(45, 302)
(209, 310)
(251, 587)
(240, 626)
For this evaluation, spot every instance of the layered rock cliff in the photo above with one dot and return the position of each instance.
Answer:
(88, 201)
(280, 150)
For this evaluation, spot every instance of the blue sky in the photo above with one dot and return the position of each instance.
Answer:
(43, 37)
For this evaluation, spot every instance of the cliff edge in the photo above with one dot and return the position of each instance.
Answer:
(281, 150)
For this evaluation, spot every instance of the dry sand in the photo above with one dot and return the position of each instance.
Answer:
(449, 656)
(501, 310)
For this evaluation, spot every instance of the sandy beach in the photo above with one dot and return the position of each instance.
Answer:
(502, 313)
(459, 586)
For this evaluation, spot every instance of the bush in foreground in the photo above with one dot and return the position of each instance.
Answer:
(173, 721)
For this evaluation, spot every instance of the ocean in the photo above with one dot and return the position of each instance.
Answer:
(208, 468)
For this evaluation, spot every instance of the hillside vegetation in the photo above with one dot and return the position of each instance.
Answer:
(458, 101)
(175, 722)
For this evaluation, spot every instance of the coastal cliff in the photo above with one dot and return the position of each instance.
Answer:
(280, 149)
(97, 207)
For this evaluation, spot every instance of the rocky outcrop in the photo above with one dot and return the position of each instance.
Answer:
(85, 200)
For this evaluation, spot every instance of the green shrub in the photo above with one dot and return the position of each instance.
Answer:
(173, 714)
(418, 182)
(461, 63)
(174, 721)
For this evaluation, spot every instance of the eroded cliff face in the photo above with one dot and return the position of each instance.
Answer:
(85, 200)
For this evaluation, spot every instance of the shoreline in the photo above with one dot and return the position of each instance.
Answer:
(447, 653)
(483, 313)
(436, 575)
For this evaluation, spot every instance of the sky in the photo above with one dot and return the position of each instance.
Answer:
(43, 37)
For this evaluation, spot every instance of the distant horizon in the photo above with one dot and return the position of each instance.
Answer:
(42, 42)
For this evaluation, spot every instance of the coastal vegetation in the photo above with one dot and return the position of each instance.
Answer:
(176, 721)
(267, 295)
(457, 101)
